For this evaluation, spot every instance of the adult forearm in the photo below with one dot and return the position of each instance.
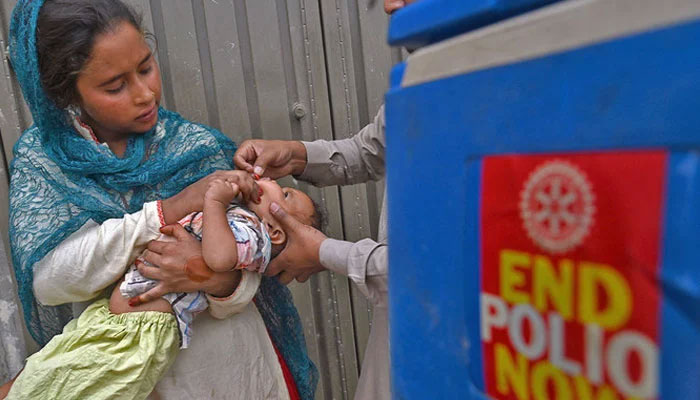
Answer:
(365, 262)
(174, 209)
(348, 161)
(299, 157)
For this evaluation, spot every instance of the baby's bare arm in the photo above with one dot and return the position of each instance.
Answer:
(218, 242)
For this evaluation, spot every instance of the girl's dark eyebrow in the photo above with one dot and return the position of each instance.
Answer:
(115, 78)
(148, 57)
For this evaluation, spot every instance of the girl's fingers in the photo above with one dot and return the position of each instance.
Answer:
(156, 246)
(176, 231)
(255, 192)
(153, 258)
(153, 294)
(236, 188)
(148, 271)
(249, 189)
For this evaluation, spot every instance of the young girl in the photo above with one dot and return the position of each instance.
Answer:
(102, 169)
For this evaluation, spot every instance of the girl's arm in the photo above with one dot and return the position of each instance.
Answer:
(222, 308)
(226, 294)
(94, 257)
(219, 248)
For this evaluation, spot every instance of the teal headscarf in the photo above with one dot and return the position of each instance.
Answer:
(60, 180)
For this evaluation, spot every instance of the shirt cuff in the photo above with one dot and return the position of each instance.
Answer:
(224, 307)
(317, 161)
(161, 217)
(333, 255)
(154, 216)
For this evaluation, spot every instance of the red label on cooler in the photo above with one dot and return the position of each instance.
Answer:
(570, 259)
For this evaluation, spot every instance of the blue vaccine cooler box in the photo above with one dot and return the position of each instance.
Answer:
(543, 171)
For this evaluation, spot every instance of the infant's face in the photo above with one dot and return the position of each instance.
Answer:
(294, 201)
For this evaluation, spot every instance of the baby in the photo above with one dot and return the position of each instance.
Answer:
(231, 235)
(128, 362)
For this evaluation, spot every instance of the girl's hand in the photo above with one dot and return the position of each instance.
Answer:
(222, 191)
(191, 199)
(182, 269)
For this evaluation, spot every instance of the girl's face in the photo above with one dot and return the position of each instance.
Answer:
(119, 86)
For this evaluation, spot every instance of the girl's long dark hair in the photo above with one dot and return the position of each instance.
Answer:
(66, 32)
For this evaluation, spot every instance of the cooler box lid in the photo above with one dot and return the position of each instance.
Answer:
(428, 21)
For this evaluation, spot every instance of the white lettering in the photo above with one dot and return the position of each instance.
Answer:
(538, 335)
(490, 319)
(619, 348)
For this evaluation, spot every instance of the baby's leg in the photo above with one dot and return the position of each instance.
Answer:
(5, 389)
(119, 304)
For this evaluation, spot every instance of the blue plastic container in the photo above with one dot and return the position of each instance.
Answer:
(429, 21)
(545, 215)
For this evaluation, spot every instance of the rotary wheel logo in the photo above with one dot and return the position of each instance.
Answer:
(557, 206)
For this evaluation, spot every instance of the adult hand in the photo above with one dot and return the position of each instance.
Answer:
(300, 257)
(181, 268)
(392, 5)
(191, 198)
(271, 158)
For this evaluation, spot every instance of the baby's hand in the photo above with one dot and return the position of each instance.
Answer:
(222, 191)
